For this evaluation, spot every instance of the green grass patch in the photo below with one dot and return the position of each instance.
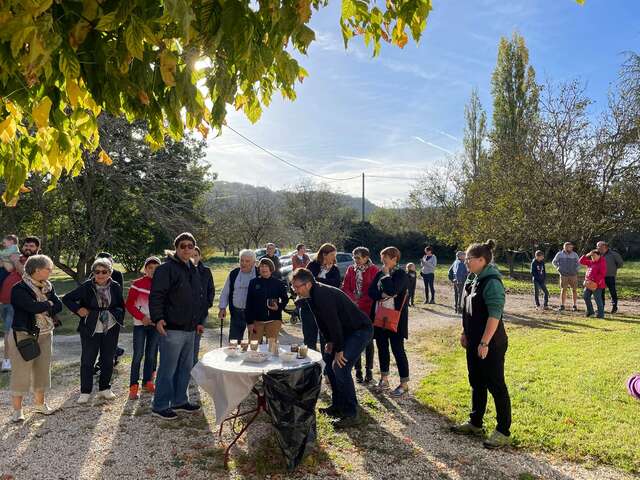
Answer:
(567, 387)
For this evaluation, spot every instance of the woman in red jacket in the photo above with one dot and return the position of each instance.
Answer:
(356, 285)
(594, 283)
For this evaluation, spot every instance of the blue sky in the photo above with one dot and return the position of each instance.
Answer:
(401, 113)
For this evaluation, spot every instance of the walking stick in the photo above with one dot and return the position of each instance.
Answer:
(221, 327)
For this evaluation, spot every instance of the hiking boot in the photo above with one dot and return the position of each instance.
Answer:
(497, 440)
(43, 409)
(467, 428)
(614, 309)
(331, 411)
(166, 414)
(348, 422)
(133, 392)
(187, 407)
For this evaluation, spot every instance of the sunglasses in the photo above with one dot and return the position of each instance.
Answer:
(186, 246)
(101, 272)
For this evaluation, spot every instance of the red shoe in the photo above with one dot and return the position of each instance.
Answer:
(150, 387)
(133, 392)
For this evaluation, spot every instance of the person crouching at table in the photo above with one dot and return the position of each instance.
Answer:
(99, 304)
(347, 331)
(266, 298)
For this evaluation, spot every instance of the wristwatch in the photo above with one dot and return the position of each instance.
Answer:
(484, 344)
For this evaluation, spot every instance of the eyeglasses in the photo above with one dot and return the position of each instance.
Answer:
(101, 272)
(186, 246)
(297, 286)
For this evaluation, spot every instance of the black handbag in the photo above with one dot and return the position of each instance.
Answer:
(28, 345)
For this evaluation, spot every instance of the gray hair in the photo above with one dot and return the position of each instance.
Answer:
(247, 253)
(102, 262)
(37, 262)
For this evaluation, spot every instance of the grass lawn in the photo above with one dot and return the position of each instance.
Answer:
(567, 384)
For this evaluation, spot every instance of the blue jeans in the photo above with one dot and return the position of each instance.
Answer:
(176, 362)
(343, 395)
(6, 312)
(238, 324)
(145, 343)
(196, 343)
(597, 296)
(537, 287)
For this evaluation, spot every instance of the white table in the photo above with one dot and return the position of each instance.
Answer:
(229, 380)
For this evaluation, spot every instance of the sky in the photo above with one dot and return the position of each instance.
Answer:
(402, 113)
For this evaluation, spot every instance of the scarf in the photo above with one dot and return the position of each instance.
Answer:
(359, 270)
(103, 293)
(43, 320)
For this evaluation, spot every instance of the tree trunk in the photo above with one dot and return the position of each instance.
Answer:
(511, 255)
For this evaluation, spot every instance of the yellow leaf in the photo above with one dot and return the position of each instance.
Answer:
(40, 112)
(13, 110)
(74, 92)
(203, 129)
(24, 189)
(7, 130)
(168, 63)
(105, 158)
(92, 105)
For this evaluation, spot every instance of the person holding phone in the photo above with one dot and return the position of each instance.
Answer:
(266, 298)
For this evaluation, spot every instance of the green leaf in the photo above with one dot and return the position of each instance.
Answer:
(69, 64)
(134, 38)
(348, 9)
(108, 22)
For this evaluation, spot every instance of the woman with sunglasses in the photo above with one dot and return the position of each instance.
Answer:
(485, 340)
(99, 304)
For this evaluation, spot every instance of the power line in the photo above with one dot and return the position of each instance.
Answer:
(286, 162)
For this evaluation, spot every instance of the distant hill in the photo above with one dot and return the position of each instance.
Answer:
(233, 189)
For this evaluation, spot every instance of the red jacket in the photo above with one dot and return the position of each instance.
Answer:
(349, 287)
(14, 278)
(138, 299)
(596, 271)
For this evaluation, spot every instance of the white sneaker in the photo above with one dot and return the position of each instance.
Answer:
(44, 409)
(17, 416)
(84, 398)
(106, 394)
(6, 365)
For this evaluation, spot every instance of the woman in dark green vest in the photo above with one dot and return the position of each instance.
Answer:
(485, 341)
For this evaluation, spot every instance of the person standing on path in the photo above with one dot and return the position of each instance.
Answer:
(347, 330)
(175, 304)
(357, 280)
(458, 275)
(145, 335)
(614, 262)
(428, 265)
(30, 246)
(300, 259)
(594, 282)
(100, 307)
(208, 294)
(485, 340)
(271, 255)
(234, 294)
(539, 279)
(567, 264)
(35, 303)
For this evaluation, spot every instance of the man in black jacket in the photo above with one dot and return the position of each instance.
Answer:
(175, 307)
(347, 331)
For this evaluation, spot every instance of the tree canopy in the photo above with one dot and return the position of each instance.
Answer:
(175, 64)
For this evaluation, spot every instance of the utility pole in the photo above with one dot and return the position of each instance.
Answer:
(362, 197)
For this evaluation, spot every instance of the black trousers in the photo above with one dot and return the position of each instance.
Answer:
(384, 338)
(611, 285)
(488, 376)
(412, 295)
(100, 343)
(368, 355)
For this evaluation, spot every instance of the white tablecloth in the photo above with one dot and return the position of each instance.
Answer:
(230, 380)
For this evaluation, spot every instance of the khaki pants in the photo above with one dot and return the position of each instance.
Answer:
(269, 329)
(32, 375)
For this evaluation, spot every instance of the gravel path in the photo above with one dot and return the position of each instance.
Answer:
(399, 439)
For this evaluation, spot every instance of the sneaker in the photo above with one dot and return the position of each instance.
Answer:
(83, 398)
(167, 414)
(497, 440)
(43, 409)
(614, 309)
(368, 378)
(348, 422)
(359, 378)
(575, 308)
(382, 385)
(399, 391)
(331, 411)
(561, 308)
(187, 407)
(150, 387)
(17, 416)
(588, 314)
(546, 307)
(467, 428)
(432, 302)
(6, 365)
(106, 394)
(133, 392)
(600, 316)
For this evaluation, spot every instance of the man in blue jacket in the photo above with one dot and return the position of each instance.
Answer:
(458, 275)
